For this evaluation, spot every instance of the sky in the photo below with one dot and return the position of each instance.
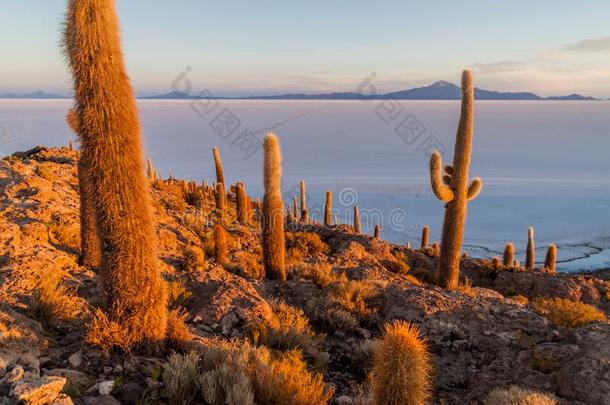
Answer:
(242, 47)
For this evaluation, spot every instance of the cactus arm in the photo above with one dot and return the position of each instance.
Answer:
(474, 189)
(441, 191)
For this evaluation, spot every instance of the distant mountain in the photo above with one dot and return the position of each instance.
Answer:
(35, 95)
(440, 90)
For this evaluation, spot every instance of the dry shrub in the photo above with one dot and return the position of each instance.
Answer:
(466, 287)
(180, 377)
(401, 265)
(46, 173)
(53, 300)
(402, 367)
(514, 395)
(248, 265)
(177, 293)
(344, 305)
(178, 333)
(193, 258)
(304, 244)
(289, 329)
(321, 274)
(106, 334)
(285, 380)
(226, 385)
(196, 224)
(563, 312)
(520, 299)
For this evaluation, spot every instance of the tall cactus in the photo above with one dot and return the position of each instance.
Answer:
(304, 211)
(425, 236)
(242, 203)
(220, 244)
(328, 207)
(220, 173)
(377, 231)
(273, 211)
(530, 253)
(509, 255)
(295, 206)
(551, 258)
(109, 133)
(357, 228)
(220, 198)
(453, 189)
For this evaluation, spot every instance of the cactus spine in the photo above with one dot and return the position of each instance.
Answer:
(109, 132)
(273, 211)
(242, 204)
(509, 255)
(220, 174)
(304, 211)
(90, 249)
(530, 253)
(453, 189)
(357, 228)
(328, 207)
(551, 258)
(425, 236)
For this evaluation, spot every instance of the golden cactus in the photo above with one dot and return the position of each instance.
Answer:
(295, 206)
(220, 244)
(357, 227)
(150, 170)
(496, 263)
(425, 236)
(402, 367)
(220, 198)
(220, 174)
(453, 189)
(551, 258)
(509, 255)
(304, 211)
(530, 253)
(242, 204)
(90, 248)
(377, 231)
(273, 211)
(109, 133)
(328, 206)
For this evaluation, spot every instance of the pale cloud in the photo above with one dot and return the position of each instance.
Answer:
(589, 45)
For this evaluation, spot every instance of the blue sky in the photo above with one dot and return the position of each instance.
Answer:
(264, 46)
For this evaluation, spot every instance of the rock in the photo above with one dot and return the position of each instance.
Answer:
(344, 400)
(101, 400)
(22, 339)
(76, 379)
(14, 375)
(586, 376)
(38, 391)
(131, 392)
(62, 399)
(76, 359)
(105, 387)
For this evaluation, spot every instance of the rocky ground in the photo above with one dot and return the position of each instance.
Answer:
(484, 335)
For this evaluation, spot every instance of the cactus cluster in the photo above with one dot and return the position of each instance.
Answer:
(452, 188)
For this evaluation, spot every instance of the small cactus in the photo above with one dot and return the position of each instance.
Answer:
(70, 146)
(408, 245)
(453, 189)
(242, 204)
(304, 211)
(402, 367)
(551, 258)
(328, 208)
(273, 211)
(220, 244)
(425, 236)
(150, 170)
(220, 174)
(495, 263)
(357, 228)
(530, 254)
(295, 207)
(221, 201)
(377, 231)
(509, 255)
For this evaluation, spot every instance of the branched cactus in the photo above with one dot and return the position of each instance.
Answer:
(242, 204)
(304, 211)
(453, 189)
(328, 208)
(109, 133)
(530, 253)
(509, 255)
(357, 228)
(220, 244)
(90, 249)
(425, 236)
(220, 174)
(273, 211)
(551, 258)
